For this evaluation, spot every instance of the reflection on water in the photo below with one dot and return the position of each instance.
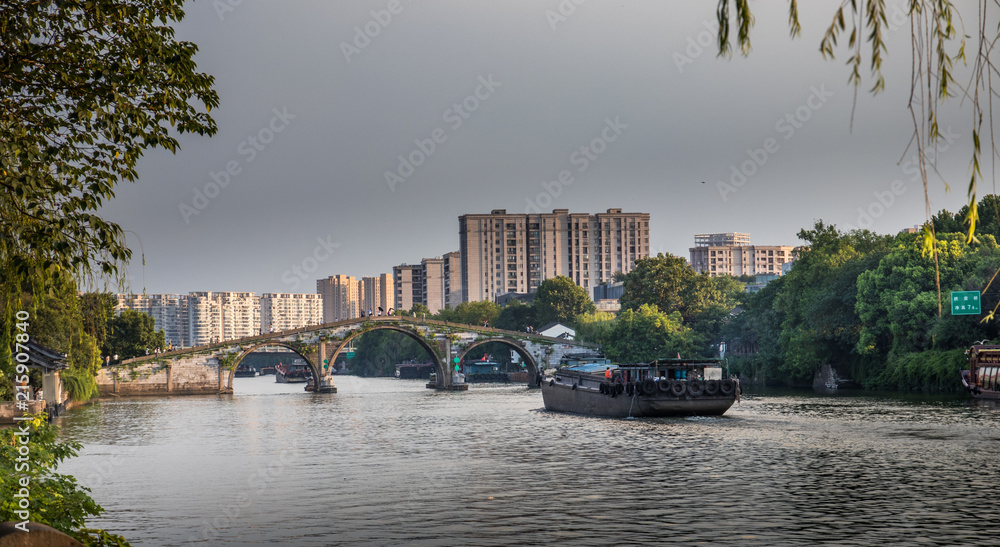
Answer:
(388, 462)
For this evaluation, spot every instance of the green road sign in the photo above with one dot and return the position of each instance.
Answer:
(325, 361)
(350, 354)
(455, 360)
(456, 368)
(965, 303)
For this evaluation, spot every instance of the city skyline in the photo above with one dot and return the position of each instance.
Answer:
(343, 147)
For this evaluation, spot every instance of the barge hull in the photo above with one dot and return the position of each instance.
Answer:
(586, 400)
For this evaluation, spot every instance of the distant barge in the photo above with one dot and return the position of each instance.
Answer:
(666, 387)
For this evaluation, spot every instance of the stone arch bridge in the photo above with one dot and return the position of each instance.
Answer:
(210, 368)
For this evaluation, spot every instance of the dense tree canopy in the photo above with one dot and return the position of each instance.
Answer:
(647, 334)
(133, 333)
(867, 305)
(560, 299)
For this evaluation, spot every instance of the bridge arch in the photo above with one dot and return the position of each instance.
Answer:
(439, 367)
(244, 353)
(532, 364)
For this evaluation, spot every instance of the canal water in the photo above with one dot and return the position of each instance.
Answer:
(388, 462)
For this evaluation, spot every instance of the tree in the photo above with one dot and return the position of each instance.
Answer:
(97, 310)
(661, 280)
(470, 313)
(595, 326)
(647, 334)
(379, 351)
(559, 299)
(132, 334)
(896, 301)
(818, 299)
(419, 310)
(85, 88)
(516, 316)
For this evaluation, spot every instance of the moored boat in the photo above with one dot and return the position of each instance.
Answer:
(982, 378)
(296, 372)
(267, 369)
(243, 370)
(666, 387)
(414, 370)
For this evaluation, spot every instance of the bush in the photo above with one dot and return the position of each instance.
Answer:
(56, 500)
(80, 384)
(930, 370)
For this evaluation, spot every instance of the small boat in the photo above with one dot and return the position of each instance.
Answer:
(406, 371)
(244, 370)
(484, 370)
(665, 387)
(982, 379)
(296, 372)
(267, 369)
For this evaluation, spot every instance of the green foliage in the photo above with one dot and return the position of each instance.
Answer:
(516, 316)
(661, 280)
(930, 370)
(646, 334)
(420, 310)
(56, 499)
(80, 384)
(85, 88)
(558, 299)
(818, 299)
(867, 305)
(754, 335)
(379, 351)
(595, 327)
(84, 354)
(132, 333)
(470, 313)
(97, 311)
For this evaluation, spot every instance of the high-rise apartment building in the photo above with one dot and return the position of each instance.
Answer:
(240, 314)
(732, 254)
(728, 239)
(378, 292)
(453, 279)
(426, 283)
(504, 253)
(198, 318)
(342, 296)
(286, 311)
(409, 280)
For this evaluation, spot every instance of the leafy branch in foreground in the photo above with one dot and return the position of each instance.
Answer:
(56, 499)
(936, 44)
(85, 88)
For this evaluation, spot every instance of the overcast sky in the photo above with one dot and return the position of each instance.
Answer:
(315, 112)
